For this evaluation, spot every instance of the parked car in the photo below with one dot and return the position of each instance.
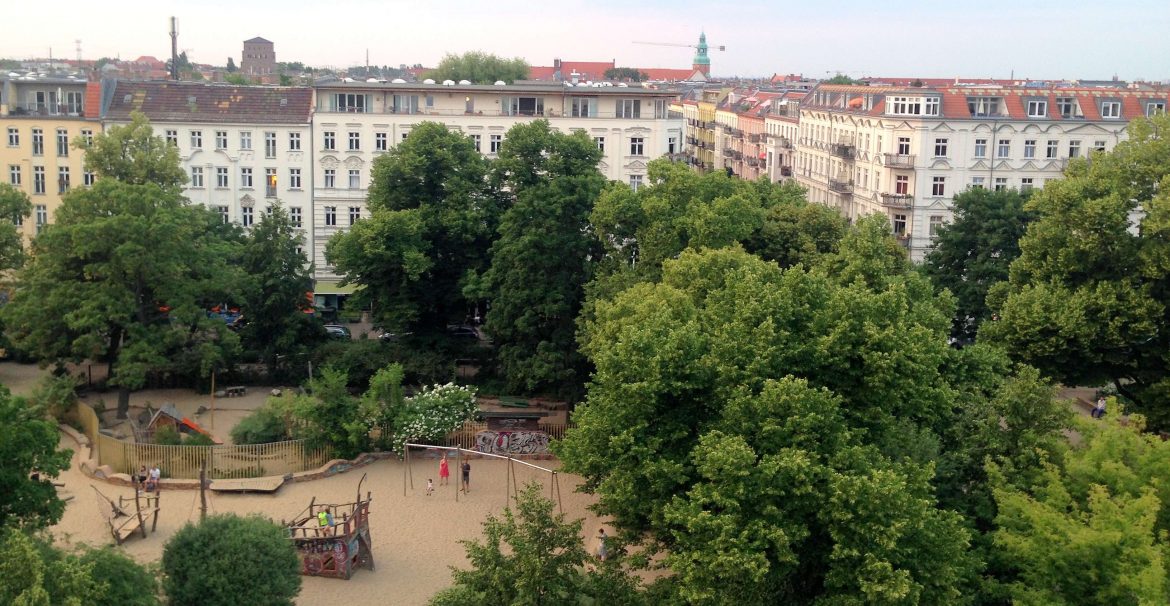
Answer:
(336, 331)
(462, 332)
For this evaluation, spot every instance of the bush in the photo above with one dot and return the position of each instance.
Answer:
(127, 582)
(227, 560)
(198, 439)
(55, 393)
(433, 413)
(167, 435)
(264, 425)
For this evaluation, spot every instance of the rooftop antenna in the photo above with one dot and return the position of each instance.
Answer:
(78, 41)
(174, 48)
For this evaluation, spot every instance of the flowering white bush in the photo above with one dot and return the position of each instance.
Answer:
(433, 413)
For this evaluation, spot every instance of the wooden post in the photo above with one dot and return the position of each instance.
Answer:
(557, 482)
(507, 487)
(138, 510)
(213, 398)
(405, 464)
(202, 490)
(409, 469)
(459, 468)
(157, 506)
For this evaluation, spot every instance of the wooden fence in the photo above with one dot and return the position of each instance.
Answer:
(464, 437)
(223, 462)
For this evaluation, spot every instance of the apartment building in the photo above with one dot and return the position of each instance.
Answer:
(782, 128)
(905, 152)
(698, 109)
(355, 122)
(243, 147)
(40, 118)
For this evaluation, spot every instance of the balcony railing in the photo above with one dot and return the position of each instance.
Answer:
(754, 138)
(897, 200)
(753, 162)
(841, 187)
(899, 160)
(846, 151)
(726, 153)
(785, 171)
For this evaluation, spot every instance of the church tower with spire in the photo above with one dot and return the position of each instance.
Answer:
(702, 62)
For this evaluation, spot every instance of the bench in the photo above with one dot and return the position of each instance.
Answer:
(513, 402)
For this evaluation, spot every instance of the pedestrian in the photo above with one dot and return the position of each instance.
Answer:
(602, 551)
(430, 487)
(466, 476)
(141, 477)
(1099, 410)
(444, 471)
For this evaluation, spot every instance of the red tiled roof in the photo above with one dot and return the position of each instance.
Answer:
(667, 74)
(541, 73)
(165, 101)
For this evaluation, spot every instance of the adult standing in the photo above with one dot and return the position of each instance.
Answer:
(444, 471)
(602, 548)
(466, 468)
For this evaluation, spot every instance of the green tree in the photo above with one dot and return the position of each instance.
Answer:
(1086, 301)
(479, 68)
(274, 300)
(237, 78)
(227, 559)
(133, 155)
(532, 556)
(231, 65)
(15, 204)
(975, 251)
(126, 272)
(1092, 527)
(843, 79)
(630, 74)
(33, 573)
(542, 259)
(28, 443)
(663, 443)
(433, 217)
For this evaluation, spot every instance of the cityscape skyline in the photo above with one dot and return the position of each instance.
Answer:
(1081, 40)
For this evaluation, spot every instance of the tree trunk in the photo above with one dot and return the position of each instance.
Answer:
(123, 402)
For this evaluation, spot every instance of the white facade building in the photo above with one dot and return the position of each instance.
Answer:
(905, 152)
(355, 122)
(243, 147)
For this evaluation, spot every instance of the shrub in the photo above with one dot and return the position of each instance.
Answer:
(198, 439)
(167, 435)
(264, 425)
(127, 582)
(55, 393)
(228, 560)
(433, 413)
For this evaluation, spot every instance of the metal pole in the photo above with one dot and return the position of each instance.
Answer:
(203, 490)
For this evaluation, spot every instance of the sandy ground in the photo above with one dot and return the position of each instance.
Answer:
(415, 537)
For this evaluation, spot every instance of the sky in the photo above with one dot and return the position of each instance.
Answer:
(1039, 39)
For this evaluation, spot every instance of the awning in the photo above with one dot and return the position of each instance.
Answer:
(334, 287)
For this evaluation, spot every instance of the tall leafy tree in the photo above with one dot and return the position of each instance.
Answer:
(15, 204)
(531, 556)
(126, 272)
(975, 251)
(685, 367)
(1086, 301)
(433, 216)
(542, 259)
(28, 443)
(480, 68)
(274, 296)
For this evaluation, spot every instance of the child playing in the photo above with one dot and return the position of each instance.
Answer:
(430, 487)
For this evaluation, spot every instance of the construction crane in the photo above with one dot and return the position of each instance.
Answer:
(720, 47)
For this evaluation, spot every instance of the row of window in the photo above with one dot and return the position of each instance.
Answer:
(1003, 147)
(221, 140)
(16, 178)
(580, 107)
(38, 140)
(296, 216)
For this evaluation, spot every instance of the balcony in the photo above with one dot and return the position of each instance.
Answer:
(897, 200)
(784, 142)
(785, 171)
(903, 239)
(738, 155)
(755, 138)
(846, 151)
(753, 162)
(726, 153)
(841, 187)
(899, 160)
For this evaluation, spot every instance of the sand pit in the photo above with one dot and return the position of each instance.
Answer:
(415, 537)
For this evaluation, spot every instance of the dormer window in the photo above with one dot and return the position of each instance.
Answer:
(1038, 108)
(1154, 108)
(913, 106)
(1110, 109)
(1067, 106)
(983, 106)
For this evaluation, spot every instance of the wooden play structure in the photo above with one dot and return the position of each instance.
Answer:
(333, 540)
(123, 522)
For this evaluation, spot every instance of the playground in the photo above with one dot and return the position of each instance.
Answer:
(414, 538)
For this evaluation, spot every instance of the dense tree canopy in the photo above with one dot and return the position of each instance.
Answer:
(433, 217)
(28, 443)
(1087, 299)
(479, 68)
(974, 252)
(542, 258)
(15, 204)
(631, 74)
(126, 272)
(227, 560)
